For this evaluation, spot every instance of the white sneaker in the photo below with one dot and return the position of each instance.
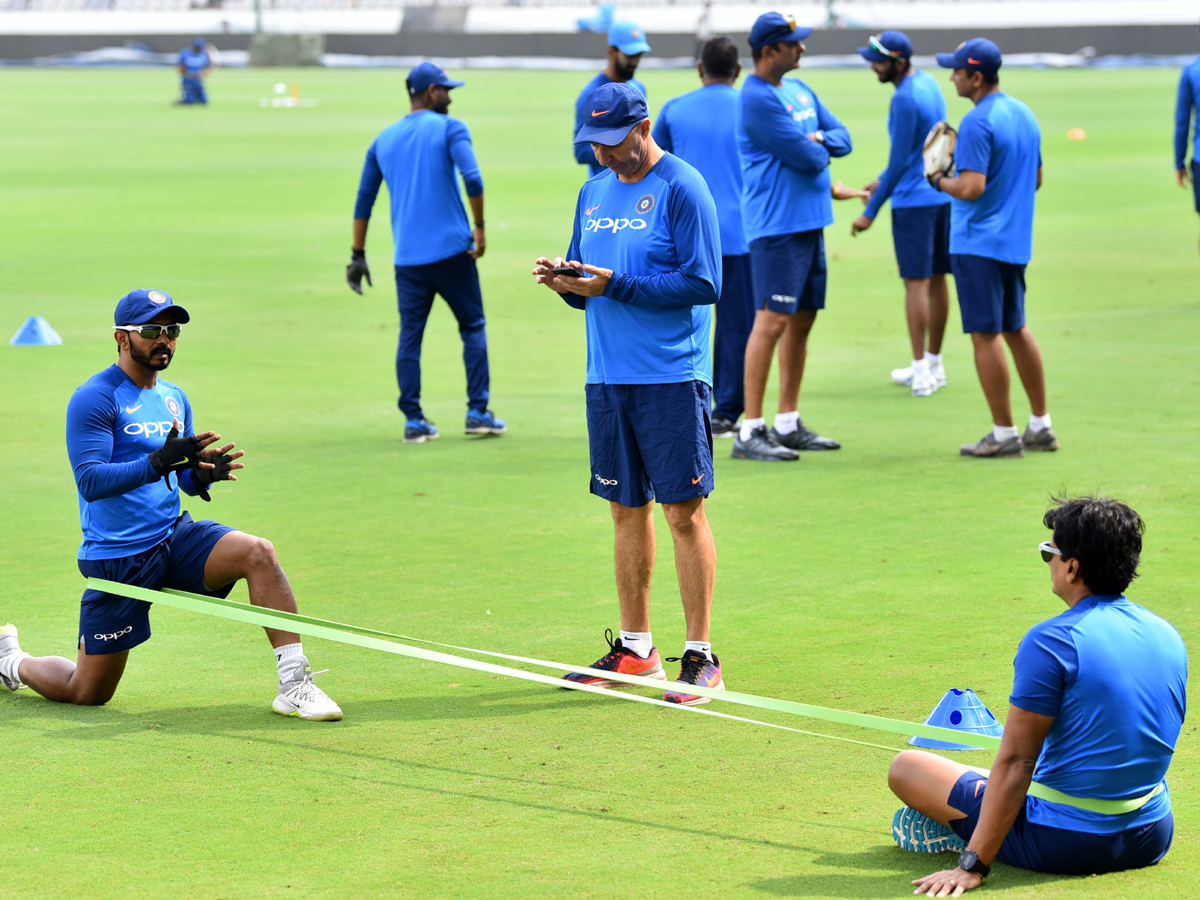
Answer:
(938, 371)
(902, 377)
(923, 384)
(10, 657)
(304, 699)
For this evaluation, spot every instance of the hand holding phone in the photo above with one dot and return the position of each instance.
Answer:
(568, 270)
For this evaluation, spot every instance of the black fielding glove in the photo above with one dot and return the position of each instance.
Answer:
(201, 478)
(357, 271)
(176, 454)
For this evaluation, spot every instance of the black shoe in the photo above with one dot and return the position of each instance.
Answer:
(803, 439)
(1039, 440)
(987, 447)
(760, 445)
(724, 428)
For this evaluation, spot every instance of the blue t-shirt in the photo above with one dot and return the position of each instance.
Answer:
(113, 426)
(1185, 107)
(661, 240)
(193, 61)
(699, 128)
(417, 157)
(917, 105)
(583, 152)
(1114, 676)
(1000, 137)
(785, 176)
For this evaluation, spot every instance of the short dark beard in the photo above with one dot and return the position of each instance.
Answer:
(144, 359)
(624, 73)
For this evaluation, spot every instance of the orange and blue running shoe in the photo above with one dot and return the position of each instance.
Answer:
(619, 659)
(695, 669)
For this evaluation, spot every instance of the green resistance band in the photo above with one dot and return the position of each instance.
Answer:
(370, 638)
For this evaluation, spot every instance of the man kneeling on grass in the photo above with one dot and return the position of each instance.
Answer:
(1098, 700)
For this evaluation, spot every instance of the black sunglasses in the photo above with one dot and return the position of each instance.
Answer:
(151, 332)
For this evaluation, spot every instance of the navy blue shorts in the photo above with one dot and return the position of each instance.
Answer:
(921, 236)
(650, 441)
(1041, 848)
(991, 294)
(110, 623)
(788, 271)
(1195, 186)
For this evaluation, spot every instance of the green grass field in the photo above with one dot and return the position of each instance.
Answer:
(872, 579)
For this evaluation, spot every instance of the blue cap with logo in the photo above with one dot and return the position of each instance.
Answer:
(614, 109)
(628, 37)
(975, 55)
(888, 45)
(773, 27)
(426, 73)
(140, 306)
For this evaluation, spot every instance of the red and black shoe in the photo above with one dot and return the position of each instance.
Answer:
(698, 670)
(623, 661)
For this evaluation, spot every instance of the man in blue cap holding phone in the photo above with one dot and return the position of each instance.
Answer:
(193, 64)
(434, 249)
(626, 46)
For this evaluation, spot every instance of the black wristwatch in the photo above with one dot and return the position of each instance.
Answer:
(936, 180)
(968, 861)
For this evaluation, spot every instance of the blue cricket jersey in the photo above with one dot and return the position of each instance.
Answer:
(193, 61)
(699, 128)
(1185, 107)
(1000, 137)
(661, 240)
(917, 105)
(417, 157)
(113, 426)
(583, 152)
(785, 176)
(1114, 676)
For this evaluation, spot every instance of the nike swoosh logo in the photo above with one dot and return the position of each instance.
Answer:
(182, 461)
(593, 209)
(132, 409)
(973, 62)
(697, 480)
(600, 113)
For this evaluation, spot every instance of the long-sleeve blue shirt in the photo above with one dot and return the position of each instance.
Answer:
(917, 105)
(418, 157)
(113, 426)
(1185, 107)
(660, 238)
(700, 128)
(193, 61)
(785, 175)
(583, 152)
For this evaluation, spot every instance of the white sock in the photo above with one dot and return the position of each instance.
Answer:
(10, 665)
(920, 367)
(1039, 423)
(288, 660)
(638, 642)
(1004, 432)
(700, 647)
(786, 423)
(748, 426)
(934, 359)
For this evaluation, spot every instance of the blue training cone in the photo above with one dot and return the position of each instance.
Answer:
(36, 332)
(962, 711)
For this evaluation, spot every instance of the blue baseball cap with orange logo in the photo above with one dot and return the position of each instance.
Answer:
(140, 306)
(774, 28)
(628, 37)
(611, 110)
(975, 55)
(888, 45)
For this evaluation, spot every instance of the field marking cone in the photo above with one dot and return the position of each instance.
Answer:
(36, 332)
(962, 711)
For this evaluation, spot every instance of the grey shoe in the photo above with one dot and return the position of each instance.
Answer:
(1040, 440)
(10, 658)
(988, 446)
(803, 439)
(760, 445)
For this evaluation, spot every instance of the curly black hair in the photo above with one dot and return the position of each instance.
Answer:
(1103, 535)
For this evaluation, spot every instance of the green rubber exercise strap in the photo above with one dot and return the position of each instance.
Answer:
(370, 638)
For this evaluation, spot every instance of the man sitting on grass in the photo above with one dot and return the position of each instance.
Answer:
(1098, 700)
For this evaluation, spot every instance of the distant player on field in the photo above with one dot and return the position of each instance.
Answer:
(1098, 700)
(128, 432)
(626, 47)
(194, 64)
(646, 234)
(920, 215)
(1186, 102)
(435, 250)
(999, 160)
(700, 128)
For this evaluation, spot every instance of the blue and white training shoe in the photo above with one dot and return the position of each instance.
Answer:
(483, 422)
(917, 832)
(418, 431)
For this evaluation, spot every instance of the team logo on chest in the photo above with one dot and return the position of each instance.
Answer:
(645, 204)
(173, 406)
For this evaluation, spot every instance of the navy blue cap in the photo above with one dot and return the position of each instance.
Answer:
(426, 73)
(198, 42)
(976, 55)
(628, 37)
(773, 27)
(610, 111)
(140, 306)
(889, 45)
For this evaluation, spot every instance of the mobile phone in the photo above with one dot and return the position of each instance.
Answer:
(567, 270)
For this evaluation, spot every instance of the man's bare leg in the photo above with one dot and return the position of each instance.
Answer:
(992, 367)
(90, 681)
(923, 781)
(1028, 360)
(916, 313)
(695, 563)
(634, 556)
(793, 352)
(939, 312)
(760, 348)
(239, 555)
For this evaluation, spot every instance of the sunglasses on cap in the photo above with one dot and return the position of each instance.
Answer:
(1049, 551)
(151, 332)
(876, 44)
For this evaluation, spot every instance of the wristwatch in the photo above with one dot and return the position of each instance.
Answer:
(968, 861)
(936, 180)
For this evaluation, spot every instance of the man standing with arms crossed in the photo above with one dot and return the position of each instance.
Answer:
(699, 128)
(786, 138)
(999, 162)
(647, 246)
(435, 251)
(1186, 101)
(920, 215)
(626, 47)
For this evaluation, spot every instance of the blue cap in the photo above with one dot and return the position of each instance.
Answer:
(611, 110)
(628, 37)
(140, 306)
(976, 55)
(889, 45)
(773, 27)
(198, 42)
(426, 73)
